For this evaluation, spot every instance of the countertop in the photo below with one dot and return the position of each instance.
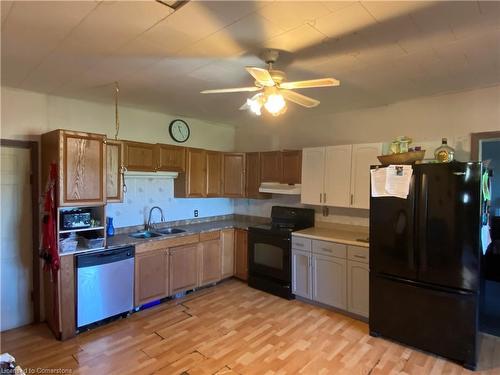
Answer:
(346, 234)
(124, 239)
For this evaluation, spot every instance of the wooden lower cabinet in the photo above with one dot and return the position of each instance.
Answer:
(301, 274)
(227, 256)
(183, 265)
(151, 276)
(209, 262)
(329, 281)
(241, 254)
(358, 287)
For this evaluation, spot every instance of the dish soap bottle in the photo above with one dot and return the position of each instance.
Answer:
(444, 153)
(110, 228)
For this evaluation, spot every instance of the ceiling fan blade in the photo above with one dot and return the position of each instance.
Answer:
(300, 99)
(235, 89)
(261, 75)
(322, 82)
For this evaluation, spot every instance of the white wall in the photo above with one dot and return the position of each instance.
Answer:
(426, 120)
(25, 115)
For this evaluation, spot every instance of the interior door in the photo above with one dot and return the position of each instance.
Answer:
(313, 167)
(449, 224)
(16, 256)
(392, 250)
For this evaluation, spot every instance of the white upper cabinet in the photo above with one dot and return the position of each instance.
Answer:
(363, 156)
(313, 172)
(337, 176)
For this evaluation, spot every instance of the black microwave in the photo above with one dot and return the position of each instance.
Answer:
(75, 219)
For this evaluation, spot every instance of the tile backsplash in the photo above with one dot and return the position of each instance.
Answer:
(146, 192)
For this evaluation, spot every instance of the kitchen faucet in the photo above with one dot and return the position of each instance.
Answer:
(150, 226)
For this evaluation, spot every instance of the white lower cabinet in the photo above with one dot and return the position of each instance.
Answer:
(301, 271)
(331, 273)
(358, 287)
(329, 281)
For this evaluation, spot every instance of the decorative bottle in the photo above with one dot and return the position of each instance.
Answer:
(110, 229)
(444, 153)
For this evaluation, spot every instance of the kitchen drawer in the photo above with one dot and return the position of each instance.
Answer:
(301, 243)
(358, 254)
(329, 248)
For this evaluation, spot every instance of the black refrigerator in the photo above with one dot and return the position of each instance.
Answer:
(425, 259)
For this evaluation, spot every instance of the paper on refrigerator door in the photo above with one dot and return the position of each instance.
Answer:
(391, 181)
(378, 177)
(397, 181)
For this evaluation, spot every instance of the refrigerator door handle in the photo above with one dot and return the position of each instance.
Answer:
(422, 221)
(438, 288)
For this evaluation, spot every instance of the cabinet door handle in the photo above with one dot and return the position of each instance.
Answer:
(298, 244)
(328, 250)
(324, 197)
(352, 199)
(359, 256)
(320, 201)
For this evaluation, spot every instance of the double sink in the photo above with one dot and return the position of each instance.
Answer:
(156, 233)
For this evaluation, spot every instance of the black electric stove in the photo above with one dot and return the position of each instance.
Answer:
(269, 249)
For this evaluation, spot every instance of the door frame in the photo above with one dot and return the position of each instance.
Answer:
(35, 216)
(476, 138)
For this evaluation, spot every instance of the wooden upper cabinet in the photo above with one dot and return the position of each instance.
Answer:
(171, 158)
(114, 176)
(214, 174)
(292, 167)
(233, 169)
(139, 156)
(81, 160)
(271, 167)
(191, 183)
(252, 176)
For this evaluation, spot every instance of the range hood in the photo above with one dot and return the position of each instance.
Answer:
(277, 188)
(160, 175)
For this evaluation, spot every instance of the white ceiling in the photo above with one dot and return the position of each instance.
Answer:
(382, 52)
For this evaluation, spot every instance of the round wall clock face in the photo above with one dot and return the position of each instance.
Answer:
(179, 130)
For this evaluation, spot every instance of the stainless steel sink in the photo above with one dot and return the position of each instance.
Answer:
(144, 234)
(169, 230)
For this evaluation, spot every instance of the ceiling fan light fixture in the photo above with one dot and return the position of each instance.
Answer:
(255, 105)
(275, 104)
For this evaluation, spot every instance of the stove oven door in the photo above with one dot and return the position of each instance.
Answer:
(269, 255)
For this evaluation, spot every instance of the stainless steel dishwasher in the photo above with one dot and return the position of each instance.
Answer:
(105, 284)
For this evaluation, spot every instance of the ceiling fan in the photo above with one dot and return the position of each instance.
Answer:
(274, 89)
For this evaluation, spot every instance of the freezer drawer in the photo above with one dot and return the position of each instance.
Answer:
(434, 320)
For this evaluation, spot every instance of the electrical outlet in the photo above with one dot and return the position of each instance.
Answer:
(195, 213)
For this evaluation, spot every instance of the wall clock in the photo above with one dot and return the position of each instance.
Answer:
(179, 130)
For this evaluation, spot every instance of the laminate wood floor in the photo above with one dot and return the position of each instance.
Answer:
(231, 329)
